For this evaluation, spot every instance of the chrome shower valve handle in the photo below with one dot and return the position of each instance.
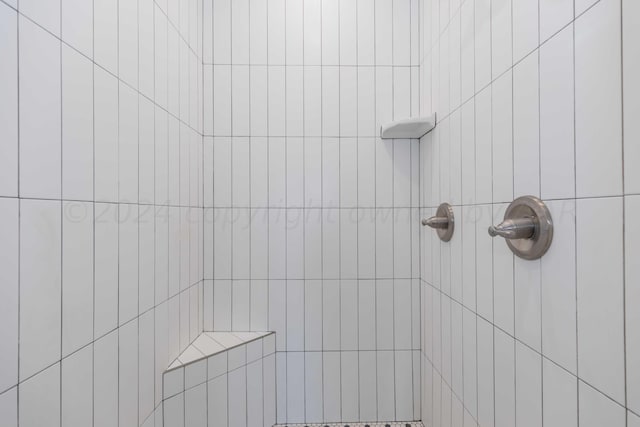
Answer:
(527, 227)
(521, 228)
(443, 222)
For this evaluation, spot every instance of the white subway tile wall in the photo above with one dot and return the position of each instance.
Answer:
(508, 342)
(311, 219)
(101, 218)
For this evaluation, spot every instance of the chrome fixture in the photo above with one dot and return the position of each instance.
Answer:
(527, 226)
(443, 222)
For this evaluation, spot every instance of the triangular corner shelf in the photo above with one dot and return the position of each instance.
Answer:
(412, 128)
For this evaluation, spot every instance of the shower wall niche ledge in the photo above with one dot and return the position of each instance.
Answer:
(411, 128)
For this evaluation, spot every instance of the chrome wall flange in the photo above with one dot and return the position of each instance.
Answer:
(443, 222)
(527, 227)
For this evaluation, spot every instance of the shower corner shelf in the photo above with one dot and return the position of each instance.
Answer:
(413, 128)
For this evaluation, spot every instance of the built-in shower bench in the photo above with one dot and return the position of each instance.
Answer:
(222, 379)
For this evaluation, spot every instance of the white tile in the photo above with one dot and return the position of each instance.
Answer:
(9, 407)
(255, 396)
(222, 89)
(597, 409)
(482, 43)
(217, 400)
(528, 387)
(195, 406)
(467, 146)
(348, 101)
(502, 113)
(146, 151)
(582, 5)
(597, 100)
(525, 28)
(553, 16)
(77, 388)
(632, 297)
(312, 101)
(330, 32)
(106, 267)
(146, 369)
(331, 101)
(294, 101)
(106, 136)
(486, 355)
(366, 101)
(277, 313)
(404, 385)
(526, 127)
(632, 419)
(9, 273)
(9, 104)
(40, 128)
(240, 32)
(313, 393)
(259, 112)
(313, 315)
(331, 369)
(330, 315)
(350, 389)
(128, 145)
(277, 179)
(240, 167)
(384, 95)
(469, 344)
(222, 172)
(105, 13)
(484, 147)
(295, 387)
(467, 51)
(527, 302)
(128, 373)
(402, 32)
(278, 244)
(600, 309)
(40, 285)
(367, 315)
(128, 263)
(174, 411)
(386, 382)
(631, 66)
(221, 31)
(501, 40)
(77, 126)
(366, 32)
(43, 13)
(505, 400)
(293, 43)
(241, 100)
(105, 386)
(240, 310)
(560, 397)
(368, 385)
(383, 32)
(258, 30)
(557, 171)
(559, 289)
(348, 32)
(312, 32)
(348, 314)
(77, 273)
(128, 52)
(173, 382)
(39, 399)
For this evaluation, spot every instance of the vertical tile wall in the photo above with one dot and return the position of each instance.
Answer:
(310, 219)
(100, 206)
(534, 97)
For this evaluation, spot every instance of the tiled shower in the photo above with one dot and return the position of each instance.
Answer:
(200, 224)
